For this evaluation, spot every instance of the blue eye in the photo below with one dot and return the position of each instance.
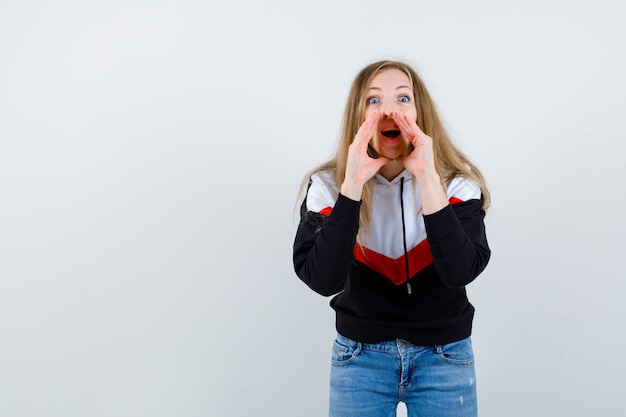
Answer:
(373, 100)
(404, 99)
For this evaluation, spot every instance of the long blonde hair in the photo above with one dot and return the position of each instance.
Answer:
(450, 162)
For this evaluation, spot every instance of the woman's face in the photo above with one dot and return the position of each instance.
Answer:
(390, 91)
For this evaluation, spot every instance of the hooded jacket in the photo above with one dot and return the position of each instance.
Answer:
(406, 278)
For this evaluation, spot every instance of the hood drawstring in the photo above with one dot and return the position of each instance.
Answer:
(406, 255)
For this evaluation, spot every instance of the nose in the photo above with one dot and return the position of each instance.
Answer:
(386, 108)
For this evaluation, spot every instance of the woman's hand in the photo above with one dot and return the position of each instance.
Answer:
(421, 161)
(421, 164)
(360, 166)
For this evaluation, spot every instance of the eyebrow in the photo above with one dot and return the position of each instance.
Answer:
(397, 88)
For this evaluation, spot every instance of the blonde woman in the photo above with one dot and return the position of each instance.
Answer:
(393, 227)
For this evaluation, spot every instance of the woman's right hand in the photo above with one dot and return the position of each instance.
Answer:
(360, 166)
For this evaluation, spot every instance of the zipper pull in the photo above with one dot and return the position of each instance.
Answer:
(408, 288)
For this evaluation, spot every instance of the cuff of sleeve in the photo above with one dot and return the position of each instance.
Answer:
(346, 211)
(444, 232)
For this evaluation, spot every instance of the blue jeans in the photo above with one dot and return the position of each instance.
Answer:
(369, 380)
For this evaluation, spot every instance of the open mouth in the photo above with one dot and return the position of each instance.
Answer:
(390, 133)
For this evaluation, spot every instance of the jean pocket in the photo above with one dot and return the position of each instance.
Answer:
(457, 353)
(345, 350)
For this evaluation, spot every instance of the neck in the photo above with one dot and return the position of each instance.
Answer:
(391, 170)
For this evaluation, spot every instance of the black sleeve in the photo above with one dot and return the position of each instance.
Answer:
(458, 242)
(324, 245)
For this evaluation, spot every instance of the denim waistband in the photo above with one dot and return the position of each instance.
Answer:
(391, 346)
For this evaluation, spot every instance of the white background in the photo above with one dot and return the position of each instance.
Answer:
(150, 157)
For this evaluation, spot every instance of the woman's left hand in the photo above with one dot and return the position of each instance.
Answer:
(421, 161)
(421, 164)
